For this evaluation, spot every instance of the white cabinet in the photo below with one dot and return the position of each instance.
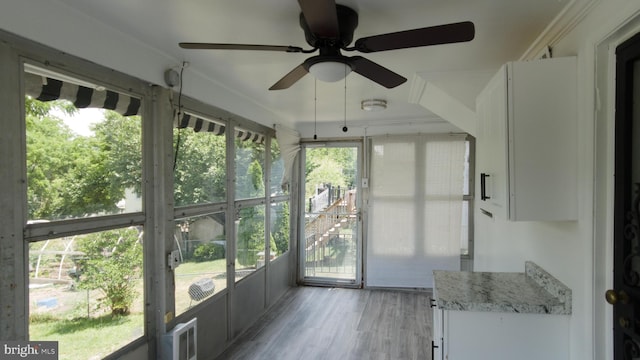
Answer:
(469, 335)
(491, 145)
(527, 141)
(437, 344)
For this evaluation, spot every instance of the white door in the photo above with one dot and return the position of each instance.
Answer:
(330, 245)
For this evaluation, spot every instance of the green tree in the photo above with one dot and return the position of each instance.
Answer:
(249, 173)
(251, 230)
(277, 168)
(329, 165)
(53, 150)
(250, 235)
(200, 169)
(280, 228)
(110, 162)
(70, 175)
(208, 252)
(113, 265)
(119, 142)
(38, 108)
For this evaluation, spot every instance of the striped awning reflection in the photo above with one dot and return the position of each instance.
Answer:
(48, 89)
(200, 124)
(249, 136)
(39, 84)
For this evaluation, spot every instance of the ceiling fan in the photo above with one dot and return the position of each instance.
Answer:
(329, 27)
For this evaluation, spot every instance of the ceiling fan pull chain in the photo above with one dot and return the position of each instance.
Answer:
(344, 128)
(315, 108)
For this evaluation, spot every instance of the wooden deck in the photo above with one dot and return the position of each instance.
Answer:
(329, 323)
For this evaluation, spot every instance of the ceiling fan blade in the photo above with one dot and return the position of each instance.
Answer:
(321, 17)
(294, 75)
(434, 35)
(214, 46)
(375, 72)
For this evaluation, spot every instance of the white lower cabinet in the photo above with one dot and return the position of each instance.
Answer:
(471, 335)
(436, 343)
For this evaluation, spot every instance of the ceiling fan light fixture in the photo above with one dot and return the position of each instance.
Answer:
(330, 71)
(373, 104)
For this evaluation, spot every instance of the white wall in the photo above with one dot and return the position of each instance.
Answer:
(578, 253)
(557, 247)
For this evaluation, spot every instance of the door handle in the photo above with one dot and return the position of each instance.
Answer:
(613, 297)
(433, 347)
(433, 302)
(483, 186)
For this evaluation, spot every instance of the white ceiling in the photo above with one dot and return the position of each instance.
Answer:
(504, 31)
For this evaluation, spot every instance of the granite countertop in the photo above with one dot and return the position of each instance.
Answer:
(534, 291)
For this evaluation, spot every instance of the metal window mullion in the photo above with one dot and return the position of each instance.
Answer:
(198, 210)
(361, 216)
(245, 203)
(230, 220)
(301, 236)
(157, 177)
(294, 225)
(14, 305)
(267, 216)
(279, 198)
(55, 229)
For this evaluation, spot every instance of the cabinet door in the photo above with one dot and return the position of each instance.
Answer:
(505, 336)
(491, 109)
(437, 345)
(542, 124)
(527, 142)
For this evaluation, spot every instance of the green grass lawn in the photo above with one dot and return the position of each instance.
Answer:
(215, 266)
(189, 272)
(86, 338)
(80, 337)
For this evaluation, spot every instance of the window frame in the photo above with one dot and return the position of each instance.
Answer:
(196, 108)
(204, 113)
(41, 231)
(230, 205)
(157, 210)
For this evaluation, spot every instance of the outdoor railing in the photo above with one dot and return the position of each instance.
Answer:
(328, 196)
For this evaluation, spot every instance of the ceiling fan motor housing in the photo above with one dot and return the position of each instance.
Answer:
(347, 23)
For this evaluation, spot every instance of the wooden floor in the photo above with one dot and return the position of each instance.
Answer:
(329, 323)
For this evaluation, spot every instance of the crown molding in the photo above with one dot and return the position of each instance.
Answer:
(563, 23)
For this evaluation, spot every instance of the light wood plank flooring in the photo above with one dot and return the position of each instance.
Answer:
(329, 323)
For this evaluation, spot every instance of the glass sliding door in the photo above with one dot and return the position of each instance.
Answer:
(330, 240)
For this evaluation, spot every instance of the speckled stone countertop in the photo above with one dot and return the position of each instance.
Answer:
(534, 291)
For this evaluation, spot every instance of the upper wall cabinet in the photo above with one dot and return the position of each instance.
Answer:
(527, 142)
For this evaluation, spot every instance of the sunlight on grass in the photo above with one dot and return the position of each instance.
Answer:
(215, 266)
(79, 338)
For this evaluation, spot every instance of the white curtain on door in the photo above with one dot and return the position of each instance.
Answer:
(415, 209)
(289, 142)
